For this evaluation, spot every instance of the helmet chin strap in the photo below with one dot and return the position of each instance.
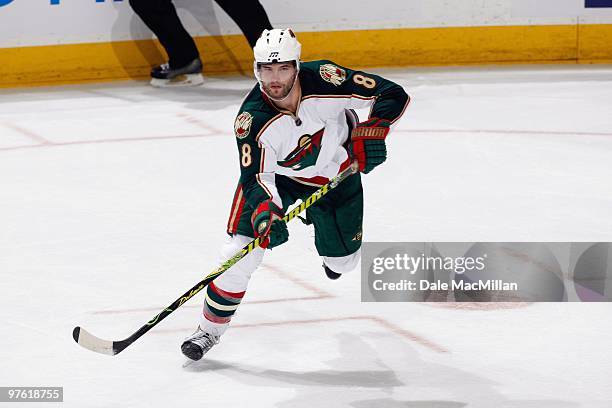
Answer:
(288, 93)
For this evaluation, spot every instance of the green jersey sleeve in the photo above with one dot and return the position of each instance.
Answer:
(257, 182)
(387, 99)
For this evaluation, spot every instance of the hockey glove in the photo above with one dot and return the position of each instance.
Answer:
(268, 223)
(368, 143)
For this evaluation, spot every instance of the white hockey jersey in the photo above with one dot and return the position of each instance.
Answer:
(310, 146)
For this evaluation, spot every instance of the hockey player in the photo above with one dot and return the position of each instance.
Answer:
(295, 130)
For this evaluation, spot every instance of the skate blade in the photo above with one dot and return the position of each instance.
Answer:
(180, 81)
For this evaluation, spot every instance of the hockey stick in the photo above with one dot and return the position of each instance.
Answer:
(93, 343)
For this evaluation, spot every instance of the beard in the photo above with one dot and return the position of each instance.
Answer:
(280, 90)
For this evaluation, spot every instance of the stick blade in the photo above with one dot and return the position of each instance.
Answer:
(90, 342)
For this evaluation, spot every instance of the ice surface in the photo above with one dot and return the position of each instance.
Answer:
(114, 200)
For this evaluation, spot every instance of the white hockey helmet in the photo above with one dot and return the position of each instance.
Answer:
(276, 45)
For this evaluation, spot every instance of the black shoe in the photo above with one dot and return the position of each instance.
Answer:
(331, 274)
(191, 74)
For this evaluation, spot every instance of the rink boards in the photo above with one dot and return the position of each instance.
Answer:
(69, 41)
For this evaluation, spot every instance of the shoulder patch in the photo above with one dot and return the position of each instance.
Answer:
(242, 126)
(332, 74)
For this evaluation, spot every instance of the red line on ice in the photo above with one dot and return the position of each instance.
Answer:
(252, 302)
(505, 131)
(29, 134)
(102, 141)
(297, 281)
(47, 143)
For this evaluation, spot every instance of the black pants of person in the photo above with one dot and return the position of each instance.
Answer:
(160, 16)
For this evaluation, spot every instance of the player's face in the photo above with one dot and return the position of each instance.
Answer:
(277, 79)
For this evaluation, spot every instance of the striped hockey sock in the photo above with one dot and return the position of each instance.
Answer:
(220, 305)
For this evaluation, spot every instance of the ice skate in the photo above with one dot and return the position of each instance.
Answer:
(199, 343)
(331, 274)
(163, 75)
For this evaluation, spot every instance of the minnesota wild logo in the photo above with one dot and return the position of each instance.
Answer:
(332, 74)
(306, 152)
(242, 125)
